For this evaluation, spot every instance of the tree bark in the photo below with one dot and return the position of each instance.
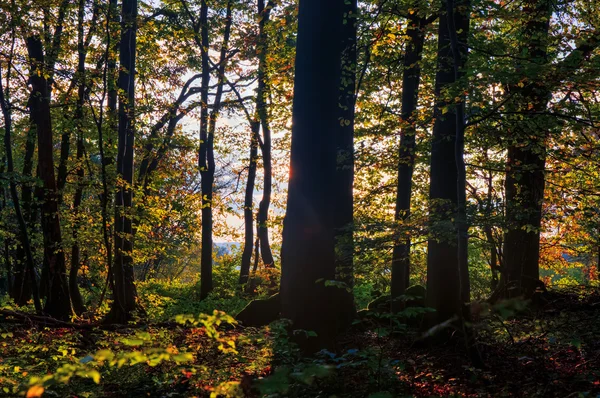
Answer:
(265, 148)
(344, 173)
(308, 252)
(76, 298)
(124, 294)
(58, 302)
(525, 182)
(248, 205)
(447, 280)
(205, 162)
(27, 268)
(410, 95)
(207, 136)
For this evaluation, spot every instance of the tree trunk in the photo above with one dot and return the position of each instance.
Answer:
(410, 95)
(207, 136)
(205, 162)
(76, 298)
(248, 205)
(308, 252)
(447, 280)
(124, 294)
(526, 160)
(26, 268)
(58, 302)
(344, 173)
(21, 287)
(261, 110)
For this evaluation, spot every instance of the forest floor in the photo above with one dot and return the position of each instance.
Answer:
(550, 351)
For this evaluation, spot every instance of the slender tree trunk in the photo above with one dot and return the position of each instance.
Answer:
(265, 148)
(125, 295)
(109, 90)
(489, 234)
(58, 302)
(204, 162)
(76, 298)
(459, 57)
(344, 174)
(207, 136)
(447, 280)
(308, 252)
(410, 95)
(525, 182)
(25, 245)
(22, 289)
(248, 205)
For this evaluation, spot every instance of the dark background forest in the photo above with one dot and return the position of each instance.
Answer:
(300, 198)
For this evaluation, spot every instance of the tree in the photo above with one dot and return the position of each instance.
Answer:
(260, 121)
(447, 292)
(262, 93)
(58, 301)
(23, 232)
(415, 31)
(308, 248)
(124, 294)
(344, 176)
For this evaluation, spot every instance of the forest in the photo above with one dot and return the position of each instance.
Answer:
(300, 198)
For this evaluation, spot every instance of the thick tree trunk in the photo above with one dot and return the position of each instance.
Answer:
(526, 160)
(308, 252)
(58, 302)
(410, 95)
(446, 290)
(124, 294)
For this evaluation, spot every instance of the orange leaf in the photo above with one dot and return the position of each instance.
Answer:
(35, 392)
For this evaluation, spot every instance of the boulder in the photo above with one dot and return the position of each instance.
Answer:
(260, 312)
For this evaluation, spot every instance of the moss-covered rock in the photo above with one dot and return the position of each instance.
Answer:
(260, 312)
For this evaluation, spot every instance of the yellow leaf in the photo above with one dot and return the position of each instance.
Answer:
(35, 392)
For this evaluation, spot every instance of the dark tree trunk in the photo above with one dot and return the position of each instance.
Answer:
(124, 294)
(344, 175)
(76, 298)
(105, 159)
(459, 57)
(26, 269)
(58, 302)
(525, 183)
(6, 278)
(489, 234)
(205, 163)
(265, 148)
(308, 252)
(207, 136)
(21, 287)
(111, 62)
(446, 292)
(410, 95)
(248, 205)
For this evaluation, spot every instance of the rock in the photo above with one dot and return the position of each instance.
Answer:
(260, 312)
